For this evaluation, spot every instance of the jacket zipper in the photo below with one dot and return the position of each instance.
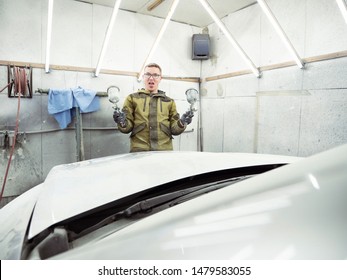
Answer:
(144, 105)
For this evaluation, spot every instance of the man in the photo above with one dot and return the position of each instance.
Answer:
(151, 116)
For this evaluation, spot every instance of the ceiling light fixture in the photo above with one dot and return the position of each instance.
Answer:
(228, 35)
(280, 32)
(107, 36)
(157, 40)
(343, 8)
(155, 4)
(49, 34)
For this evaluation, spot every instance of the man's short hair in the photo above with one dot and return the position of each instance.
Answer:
(154, 65)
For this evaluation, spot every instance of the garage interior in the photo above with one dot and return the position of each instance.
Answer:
(271, 76)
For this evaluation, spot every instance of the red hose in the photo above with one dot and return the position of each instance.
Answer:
(19, 80)
(5, 87)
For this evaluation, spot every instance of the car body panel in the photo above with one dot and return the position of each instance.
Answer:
(72, 189)
(298, 211)
(14, 220)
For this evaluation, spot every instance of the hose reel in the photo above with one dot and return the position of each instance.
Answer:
(19, 81)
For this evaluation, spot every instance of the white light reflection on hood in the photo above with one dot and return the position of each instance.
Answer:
(313, 181)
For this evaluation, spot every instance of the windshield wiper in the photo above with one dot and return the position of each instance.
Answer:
(142, 206)
(147, 205)
(150, 203)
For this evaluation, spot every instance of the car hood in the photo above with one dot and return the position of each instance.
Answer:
(297, 211)
(14, 219)
(72, 189)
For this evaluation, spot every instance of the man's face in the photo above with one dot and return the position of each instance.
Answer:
(152, 78)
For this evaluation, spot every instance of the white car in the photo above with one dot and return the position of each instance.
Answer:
(183, 205)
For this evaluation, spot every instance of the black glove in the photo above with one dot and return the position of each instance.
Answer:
(120, 118)
(187, 117)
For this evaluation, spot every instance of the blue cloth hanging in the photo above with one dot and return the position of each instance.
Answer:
(61, 103)
(85, 100)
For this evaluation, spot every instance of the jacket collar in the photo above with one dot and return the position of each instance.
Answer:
(160, 93)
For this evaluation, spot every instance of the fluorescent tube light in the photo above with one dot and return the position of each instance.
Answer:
(280, 32)
(157, 40)
(343, 7)
(107, 36)
(228, 35)
(49, 34)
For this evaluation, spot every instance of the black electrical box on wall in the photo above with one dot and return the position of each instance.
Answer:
(200, 47)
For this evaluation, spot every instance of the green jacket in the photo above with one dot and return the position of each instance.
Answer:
(152, 119)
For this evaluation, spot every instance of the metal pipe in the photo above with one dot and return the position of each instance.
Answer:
(79, 135)
(46, 91)
(84, 128)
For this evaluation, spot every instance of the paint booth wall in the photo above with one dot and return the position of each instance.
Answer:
(288, 110)
(77, 37)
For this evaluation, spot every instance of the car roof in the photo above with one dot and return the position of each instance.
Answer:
(72, 189)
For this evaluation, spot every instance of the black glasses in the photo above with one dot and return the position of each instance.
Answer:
(154, 76)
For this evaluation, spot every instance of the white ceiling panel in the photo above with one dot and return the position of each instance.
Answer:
(188, 11)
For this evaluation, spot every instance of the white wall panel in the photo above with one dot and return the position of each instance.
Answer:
(278, 124)
(177, 46)
(324, 121)
(212, 115)
(145, 33)
(239, 124)
(71, 33)
(272, 47)
(20, 35)
(298, 111)
(121, 47)
(326, 74)
(284, 79)
(245, 85)
(326, 30)
(244, 26)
